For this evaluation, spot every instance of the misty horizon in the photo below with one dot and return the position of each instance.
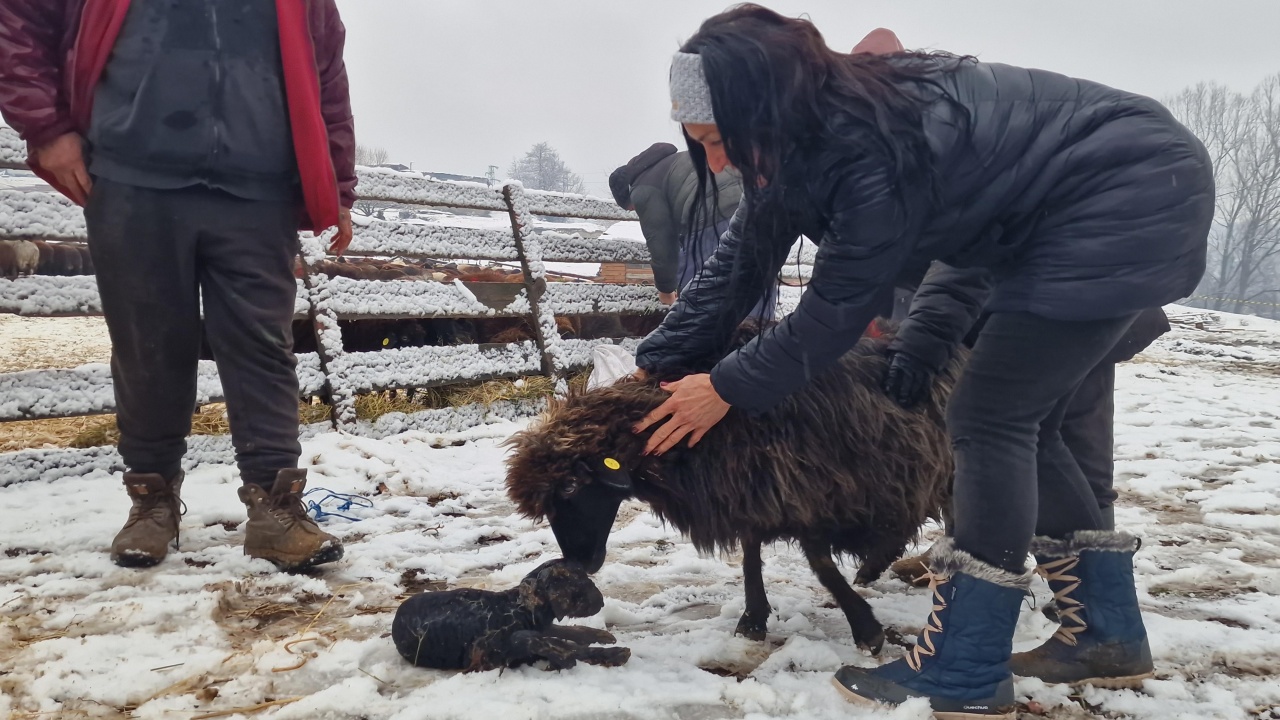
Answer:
(455, 87)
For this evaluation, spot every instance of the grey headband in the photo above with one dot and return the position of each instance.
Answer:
(690, 94)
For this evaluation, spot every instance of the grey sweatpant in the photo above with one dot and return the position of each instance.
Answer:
(157, 254)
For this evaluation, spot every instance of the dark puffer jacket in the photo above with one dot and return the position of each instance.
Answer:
(54, 52)
(1084, 201)
(947, 312)
(663, 195)
(194, 94)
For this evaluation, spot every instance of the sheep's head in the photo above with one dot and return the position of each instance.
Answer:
(575, 467)
(563, 587)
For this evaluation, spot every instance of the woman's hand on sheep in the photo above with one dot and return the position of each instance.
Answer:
(693, 408)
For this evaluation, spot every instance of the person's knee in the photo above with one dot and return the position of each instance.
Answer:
(1050, 435)
(971, 413)
(267, 340)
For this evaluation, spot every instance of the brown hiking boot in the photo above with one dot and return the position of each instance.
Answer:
(153, 520)
(279, 528)
(912, 570)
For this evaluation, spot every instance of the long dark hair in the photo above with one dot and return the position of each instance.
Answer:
(780, 95)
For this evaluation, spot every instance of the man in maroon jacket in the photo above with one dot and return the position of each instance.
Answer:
(199, 136)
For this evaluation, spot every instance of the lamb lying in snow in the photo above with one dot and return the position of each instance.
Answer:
(480, 630)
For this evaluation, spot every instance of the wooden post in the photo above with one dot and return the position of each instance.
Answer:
(529, 250)
(328, 336)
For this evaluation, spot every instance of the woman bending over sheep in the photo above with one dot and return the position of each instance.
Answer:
(1087, 203)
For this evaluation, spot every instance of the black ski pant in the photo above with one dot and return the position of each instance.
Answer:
(1088, 430)
(1015, 476)
(158, 254)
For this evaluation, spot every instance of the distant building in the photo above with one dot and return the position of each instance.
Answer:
(457, 178)
(626, 273)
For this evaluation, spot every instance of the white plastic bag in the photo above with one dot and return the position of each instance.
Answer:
(611, 363)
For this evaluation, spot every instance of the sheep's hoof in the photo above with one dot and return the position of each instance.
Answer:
(874, 645)
(606, 657)
(865, 577)
(561, 663)
(751, 629)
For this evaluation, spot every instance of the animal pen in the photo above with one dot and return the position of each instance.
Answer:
(331, 373)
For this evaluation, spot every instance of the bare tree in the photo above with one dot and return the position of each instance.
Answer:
(542, 169)
(1242, 134)
(366, 207)
(371, 156)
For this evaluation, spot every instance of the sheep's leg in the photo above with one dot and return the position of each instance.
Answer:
(580, 635)
(867, 631)
(488, 652)
(755, 618)
(562, 653)
(605, 657)
(874, 565)
(526, 646)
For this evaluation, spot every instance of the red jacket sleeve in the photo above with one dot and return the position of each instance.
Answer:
(31, 67)
(335, 101)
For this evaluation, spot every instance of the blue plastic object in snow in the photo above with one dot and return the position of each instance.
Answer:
(345, 502)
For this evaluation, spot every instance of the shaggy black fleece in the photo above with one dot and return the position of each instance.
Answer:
(838, 467)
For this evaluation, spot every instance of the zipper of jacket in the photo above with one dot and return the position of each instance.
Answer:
(216, 107)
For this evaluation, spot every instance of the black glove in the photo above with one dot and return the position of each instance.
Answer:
(908, 380)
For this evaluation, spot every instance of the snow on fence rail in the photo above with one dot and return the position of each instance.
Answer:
(13, 151)
(331, 373)
(86, 390)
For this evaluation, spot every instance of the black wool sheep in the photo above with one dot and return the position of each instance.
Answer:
(839, 468)
(477, 630)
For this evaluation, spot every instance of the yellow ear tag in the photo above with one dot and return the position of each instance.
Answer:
(386, 342)
(612, 464)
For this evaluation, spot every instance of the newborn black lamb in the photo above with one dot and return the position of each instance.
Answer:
(475, 630)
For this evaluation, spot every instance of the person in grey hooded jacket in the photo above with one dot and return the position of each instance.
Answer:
(661, 186)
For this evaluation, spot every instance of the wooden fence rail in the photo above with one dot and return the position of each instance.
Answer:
(332, 373)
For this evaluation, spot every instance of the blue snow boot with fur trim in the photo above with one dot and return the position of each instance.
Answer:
(960, 662)
(1101, 640)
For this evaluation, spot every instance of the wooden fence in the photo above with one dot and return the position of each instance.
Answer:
(332, 373)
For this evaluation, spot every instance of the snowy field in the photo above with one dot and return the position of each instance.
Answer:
(25, 342)
(1198, 433)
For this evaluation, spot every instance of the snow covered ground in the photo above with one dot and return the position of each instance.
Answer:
(25, 342)
(1198, 464)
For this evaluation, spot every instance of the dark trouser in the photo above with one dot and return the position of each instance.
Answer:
(1088, 429)
(695, 254)
(157, 254)
(1015, 476)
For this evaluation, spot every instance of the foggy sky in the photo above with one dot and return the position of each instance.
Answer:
(458, 85)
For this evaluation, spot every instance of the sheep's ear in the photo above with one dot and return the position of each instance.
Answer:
(611, 473)
(529, 593)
